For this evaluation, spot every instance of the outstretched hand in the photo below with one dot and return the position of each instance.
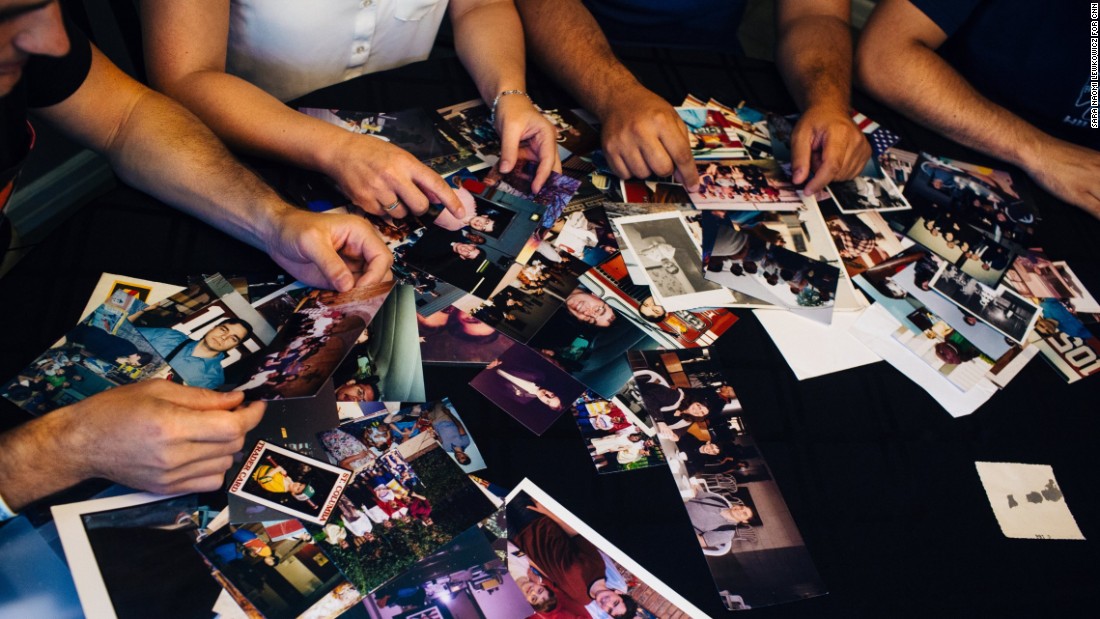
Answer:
(329, 250)
(519, 123)
(826, 146)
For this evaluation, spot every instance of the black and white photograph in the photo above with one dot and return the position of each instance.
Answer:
(1000, 308)
(872, 190)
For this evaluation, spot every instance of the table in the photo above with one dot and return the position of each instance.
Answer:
(880, 480)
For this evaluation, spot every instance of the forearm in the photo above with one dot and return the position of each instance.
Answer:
(814, 55)
(568, 44)
(33, 463)
(489, 42)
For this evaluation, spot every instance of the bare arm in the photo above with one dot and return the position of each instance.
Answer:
(642, 134)
(157, 146)
(815, 58)
(898, 64)
(489, 41)
(185, 50)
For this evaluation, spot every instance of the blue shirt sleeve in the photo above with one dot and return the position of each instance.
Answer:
(949, 15)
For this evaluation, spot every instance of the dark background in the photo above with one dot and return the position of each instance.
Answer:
(880, 480)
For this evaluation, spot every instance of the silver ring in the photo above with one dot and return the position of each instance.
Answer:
(396, 203)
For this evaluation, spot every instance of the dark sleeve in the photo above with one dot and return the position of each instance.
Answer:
(949, 15)
(52, 80)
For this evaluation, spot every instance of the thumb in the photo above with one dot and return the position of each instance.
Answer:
(801, 150)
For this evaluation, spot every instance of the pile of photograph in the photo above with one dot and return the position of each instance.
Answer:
(595, 296)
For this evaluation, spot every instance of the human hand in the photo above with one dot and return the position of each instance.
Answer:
(375, 174)
(518, 121)
(644, 136)
(328, 250)
(157, 436)
(1070, 172)
(826, 141)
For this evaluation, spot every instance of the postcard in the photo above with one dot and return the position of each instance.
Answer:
(729, 493)
(406, 505)
(1027, 501)
(527, 386)
(671, 259)
(102, 352)
(384, 363)
(464, 580)
(1066, 344)
(132, 556)
(613, 440)
(280, 578)
(301, 487)
(614, 584)
(1000, 308)
(731, 184)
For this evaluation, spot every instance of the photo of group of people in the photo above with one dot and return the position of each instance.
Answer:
(614, 441)
(741, 522)
(733, 184)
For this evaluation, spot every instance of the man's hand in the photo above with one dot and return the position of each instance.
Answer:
(157, 436)
(375, 174)
(518, 122)
(644, 136)
(827, 143)
(1066, 170)
(329, 250)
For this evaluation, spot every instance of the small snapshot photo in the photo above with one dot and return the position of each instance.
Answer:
(744, 185)
(870, 191)
(528, 387)
(1001, 308)
(291, 483)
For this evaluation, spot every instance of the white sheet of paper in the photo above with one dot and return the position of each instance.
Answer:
(873, 329)
(1027, 501)
(813, 349)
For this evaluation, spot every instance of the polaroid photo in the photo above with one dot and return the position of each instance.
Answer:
(614, 442)
(1027, 501)
(528, 386)
(624, 586)
(452, 336)
(132, 556)
(263, 571)
(1001, 308)
(1065, 342)
(465, 578)
(730, 184)
(286, 481)
(384, 362)
(678, 329)
(412, 492)
(871, 191)
(670, 256)
(103, 351)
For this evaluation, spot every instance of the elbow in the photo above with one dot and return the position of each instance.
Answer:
(874, 68)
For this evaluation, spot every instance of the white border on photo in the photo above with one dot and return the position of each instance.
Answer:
(107, 281)
(604, 546)
(325, 504)
(1027, 519)
(1000, 291)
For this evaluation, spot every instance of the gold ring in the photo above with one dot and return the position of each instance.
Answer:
(396, 203)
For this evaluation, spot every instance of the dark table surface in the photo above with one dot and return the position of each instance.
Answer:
(880, 480)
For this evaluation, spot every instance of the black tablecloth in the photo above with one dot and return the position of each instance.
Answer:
(880, 480)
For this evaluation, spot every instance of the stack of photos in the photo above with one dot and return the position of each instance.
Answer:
(398, 509)
(749, 254)
(454, 337)
(527, 386)
(972, 217)
(711, 135)
(670, 257)
(730, 184)
(862, 240)
(361, 440)
(1066, 343)
(1035, 275)
(102, 352)
(566, 569)
(614, 441)
(750, 541)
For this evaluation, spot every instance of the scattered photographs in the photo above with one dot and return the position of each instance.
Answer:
(1027, 501)
(294, 423)
(281, 578)
(452, 336)
(748, 537)
(871, 191)
(556, 192)
(204, 332)
(1000, 308)
(862, 240)
(744, 185)
(584, 234)
(575, 136)
(464, 580)
(103, 351)
(398, 510)
(671, 259)
(613, 440)
(528, 387)
(288, 482)
(1066, 344)
(566, 568)
(711, 135)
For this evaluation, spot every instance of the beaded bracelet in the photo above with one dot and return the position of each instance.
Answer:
(493, 112)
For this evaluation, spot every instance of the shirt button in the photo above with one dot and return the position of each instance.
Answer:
(360, 49)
